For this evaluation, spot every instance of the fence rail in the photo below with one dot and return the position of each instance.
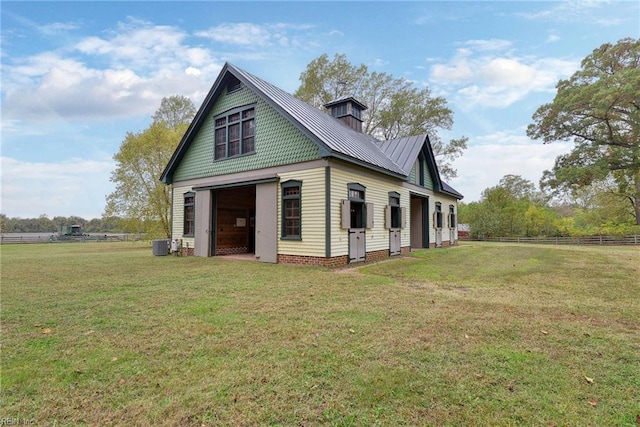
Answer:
(586, 240)
(17, 238)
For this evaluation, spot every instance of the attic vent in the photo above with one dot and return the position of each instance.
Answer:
(233, 85)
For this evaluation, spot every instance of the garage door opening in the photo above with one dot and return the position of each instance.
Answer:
(234, 221)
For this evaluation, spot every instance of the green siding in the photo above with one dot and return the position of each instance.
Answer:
(428, 182)
(278, 142)
(414, 176)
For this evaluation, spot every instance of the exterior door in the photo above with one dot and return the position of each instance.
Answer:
(266, 222)
(357, 237)
(452, 225)
(394, 221)
(394, 241)
(437, 223)
(356, 244)
(355, 219)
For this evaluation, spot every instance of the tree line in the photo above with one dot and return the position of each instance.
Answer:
(516, 208)
(44, 224)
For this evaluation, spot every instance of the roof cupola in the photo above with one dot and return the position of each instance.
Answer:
(349, 110)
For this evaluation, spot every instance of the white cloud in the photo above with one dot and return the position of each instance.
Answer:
(488, 45)
(577, 11)
(72, 187)
(238, 34)
(552, 38)
(126, 71)
(138, 44)
(192, 71)
(256, 35)
(144, 64)
(458, 69)
(57, 28)
(379, 63)
(490, 157)
(506, 72)
(473, 80)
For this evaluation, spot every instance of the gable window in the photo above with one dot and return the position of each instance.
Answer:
(235, 133)
(291, 210)
(233, 85)
(189, 214)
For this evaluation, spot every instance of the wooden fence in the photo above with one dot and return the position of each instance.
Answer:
(585, 240)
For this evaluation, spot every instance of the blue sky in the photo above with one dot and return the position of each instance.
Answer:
(77, 76)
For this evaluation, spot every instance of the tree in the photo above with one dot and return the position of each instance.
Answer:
(175, 111)
(396, 108)
(517, 186)
(598, 107)
(140, 200)
(512, 208)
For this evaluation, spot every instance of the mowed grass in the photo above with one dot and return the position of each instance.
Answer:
(481, 334)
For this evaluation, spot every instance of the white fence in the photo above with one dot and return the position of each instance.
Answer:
(586, 240)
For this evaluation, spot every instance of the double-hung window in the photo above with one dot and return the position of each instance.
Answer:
(235, 133)
(189, 214)
(291, 210)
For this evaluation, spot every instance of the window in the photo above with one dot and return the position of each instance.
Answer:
(291, 210)
(235, 133)
(233, 85)
(189, 214)
(438, 215)
(394, 206)
(452, 217)
(357, 206)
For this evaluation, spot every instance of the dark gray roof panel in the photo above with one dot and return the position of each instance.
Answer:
(403, 151)
(452, 191)
(345, 99)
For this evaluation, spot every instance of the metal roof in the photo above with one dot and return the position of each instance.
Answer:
(334, 138)
(404, 151)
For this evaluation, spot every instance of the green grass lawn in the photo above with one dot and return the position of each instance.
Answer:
(481, 334)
